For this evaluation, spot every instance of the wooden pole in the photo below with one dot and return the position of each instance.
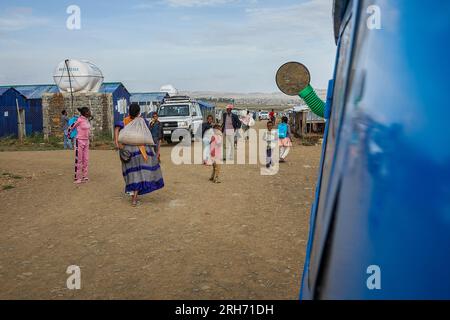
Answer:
(19, 122)
(304, 123)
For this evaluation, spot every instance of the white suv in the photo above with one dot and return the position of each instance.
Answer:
(263, 115)
(179, 113)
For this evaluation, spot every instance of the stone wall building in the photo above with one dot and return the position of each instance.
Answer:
(99, 103)
(107, 106)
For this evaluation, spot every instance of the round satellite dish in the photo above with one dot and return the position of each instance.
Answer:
(292, 77)
(170, 89)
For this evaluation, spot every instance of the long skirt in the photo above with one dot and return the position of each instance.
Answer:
(140, 175)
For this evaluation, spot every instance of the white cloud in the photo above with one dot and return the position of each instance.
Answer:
(20, 18)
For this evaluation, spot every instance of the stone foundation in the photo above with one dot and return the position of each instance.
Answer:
(101, 106)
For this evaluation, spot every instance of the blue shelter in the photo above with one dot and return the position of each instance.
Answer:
(149, 101)
(120, 97)
(29, 100)
(207, 109)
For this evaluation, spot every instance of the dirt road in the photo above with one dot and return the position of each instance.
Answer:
(242, 239)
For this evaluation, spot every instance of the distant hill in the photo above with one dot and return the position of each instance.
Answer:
(256, 100)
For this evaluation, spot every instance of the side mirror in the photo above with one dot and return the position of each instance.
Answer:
(292, 77)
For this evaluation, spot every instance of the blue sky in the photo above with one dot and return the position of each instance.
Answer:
(207, 45)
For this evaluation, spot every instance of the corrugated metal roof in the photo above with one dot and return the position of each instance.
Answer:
(148, 97)
(310, 116)
(3, 90)
(31, 91)
(300, 108)
(110, 87)
(36, 92)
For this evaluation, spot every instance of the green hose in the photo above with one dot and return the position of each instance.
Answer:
(312, 100)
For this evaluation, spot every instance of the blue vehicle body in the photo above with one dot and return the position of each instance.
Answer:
(383, 194)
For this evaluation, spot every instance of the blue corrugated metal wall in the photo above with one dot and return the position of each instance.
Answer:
(34, 116)
(8, 111)
(118, 92)
(30, 100)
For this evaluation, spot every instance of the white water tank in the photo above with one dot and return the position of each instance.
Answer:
(170, 89)
(78, 76)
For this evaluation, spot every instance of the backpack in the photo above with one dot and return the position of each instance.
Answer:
(282, 130)
(74, 132)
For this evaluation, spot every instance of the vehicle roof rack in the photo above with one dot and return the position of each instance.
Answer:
(176, 99)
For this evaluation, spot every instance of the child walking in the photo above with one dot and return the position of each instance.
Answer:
(216, 153)
(83, 128)
(284, 135)
(270, 137)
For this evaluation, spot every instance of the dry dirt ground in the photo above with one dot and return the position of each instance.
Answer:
(242, 239)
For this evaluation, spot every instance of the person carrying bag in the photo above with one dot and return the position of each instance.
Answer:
(140, 166)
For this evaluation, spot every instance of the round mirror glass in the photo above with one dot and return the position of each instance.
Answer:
(292, 77)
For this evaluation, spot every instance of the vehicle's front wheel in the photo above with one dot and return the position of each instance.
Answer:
(168, 140)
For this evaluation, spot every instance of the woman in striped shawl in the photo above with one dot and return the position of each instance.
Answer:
(142, 173)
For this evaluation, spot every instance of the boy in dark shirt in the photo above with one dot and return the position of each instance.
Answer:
(157, 132)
